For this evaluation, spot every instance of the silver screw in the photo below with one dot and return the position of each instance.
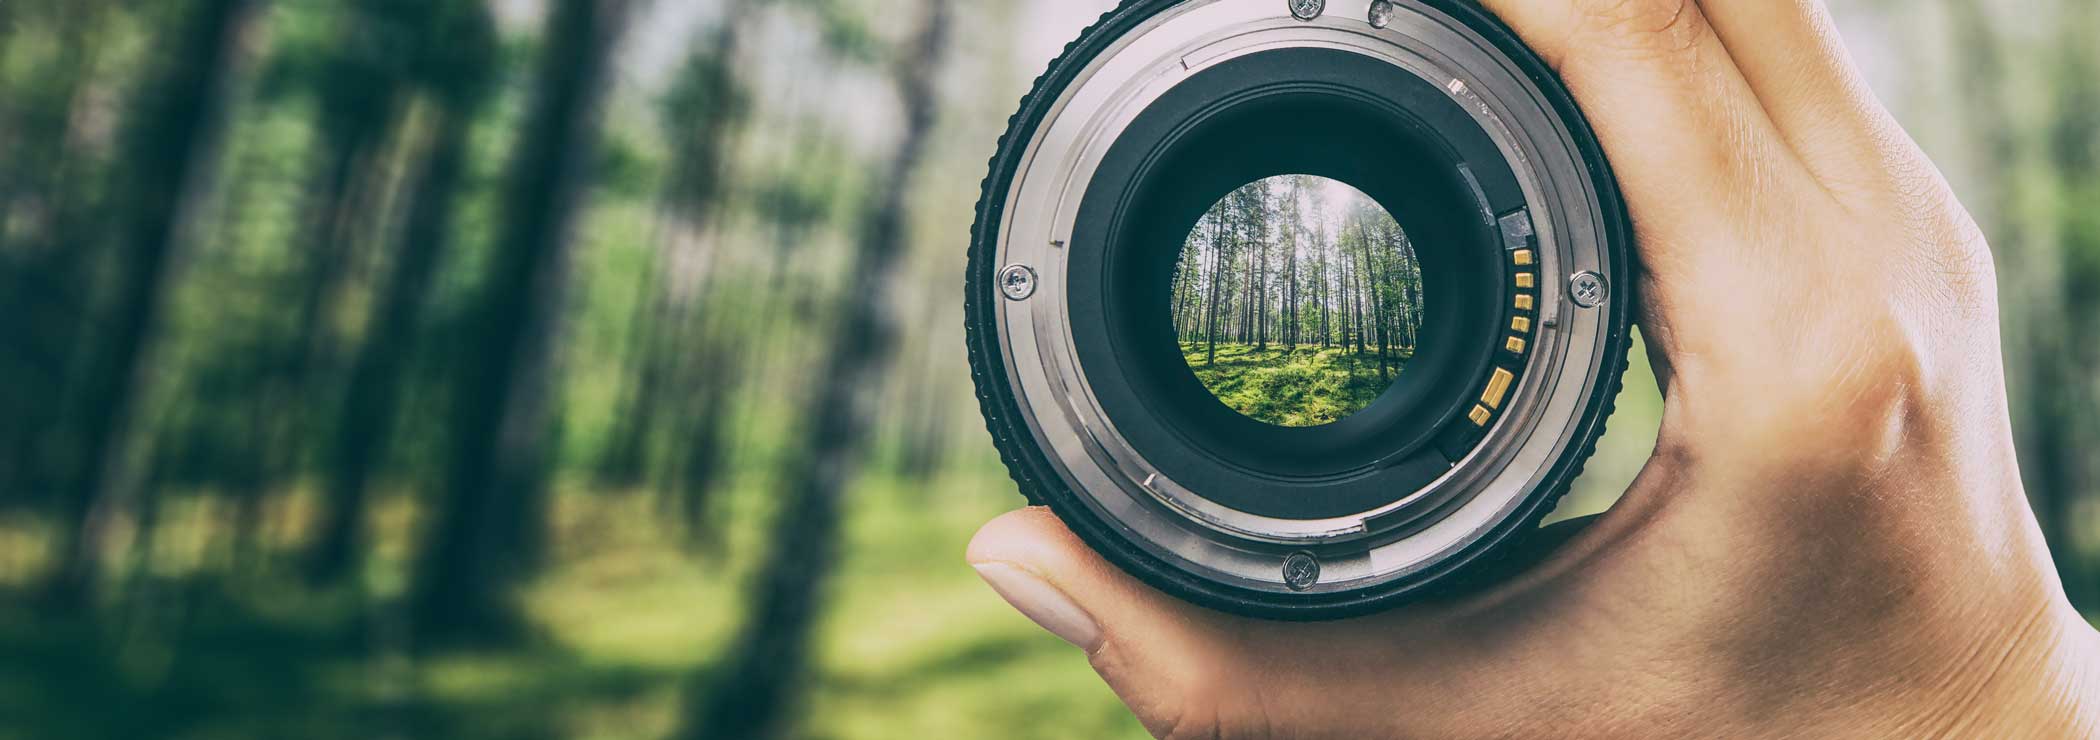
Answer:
(1381, 13)
(1306, 10)
(1300, 571)
(1017, 282)
(1589, 289)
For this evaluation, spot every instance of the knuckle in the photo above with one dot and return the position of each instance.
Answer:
(1197, 715)
(1208, 706)
(1186, 728)
(1878, 378)
(1961, 275)
(1854, 407)
(1950, 244)
(1839, 384)
(1650, 25)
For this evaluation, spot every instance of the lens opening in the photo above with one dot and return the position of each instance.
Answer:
(1297, 300)
(1318, 112)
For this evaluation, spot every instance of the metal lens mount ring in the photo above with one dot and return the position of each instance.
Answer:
(1525, 428)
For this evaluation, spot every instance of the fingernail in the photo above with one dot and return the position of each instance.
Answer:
(1043, 603)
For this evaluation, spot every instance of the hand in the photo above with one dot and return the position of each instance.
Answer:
(1831, 539)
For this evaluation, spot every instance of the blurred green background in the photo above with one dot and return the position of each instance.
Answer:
(593, 368)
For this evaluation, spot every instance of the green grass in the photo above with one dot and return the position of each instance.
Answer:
(628, 616)
(1303, 388)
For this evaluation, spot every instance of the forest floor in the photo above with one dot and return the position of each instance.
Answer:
(1303, 388)
(627, 619)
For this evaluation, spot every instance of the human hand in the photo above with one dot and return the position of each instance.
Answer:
(1831, 538)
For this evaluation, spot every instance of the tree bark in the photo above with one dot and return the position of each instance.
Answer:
(1259, 201)
(762, 682)
(171, 137)
(1324, 294)
(708, 103)
(1294, 226)
(1358, 267)
(1217, 269)
(45, 302)
(487, 529)
(375, 377)
(361, 95)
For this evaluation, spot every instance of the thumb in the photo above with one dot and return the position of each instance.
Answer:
(1166, 659)
(1190, 672)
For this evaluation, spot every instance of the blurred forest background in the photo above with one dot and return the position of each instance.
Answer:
(593, 368)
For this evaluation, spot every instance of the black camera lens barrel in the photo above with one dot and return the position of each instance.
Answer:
(1434, 109)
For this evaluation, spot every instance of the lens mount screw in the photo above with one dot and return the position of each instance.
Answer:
(1589, 289)
(1300, 571)
(1306, 10)
(1017, 282)
(1381, 13)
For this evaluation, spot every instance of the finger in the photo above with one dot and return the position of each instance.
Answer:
(1152, 650)
(1793, 58)
(1673, 112)
(1188, 671)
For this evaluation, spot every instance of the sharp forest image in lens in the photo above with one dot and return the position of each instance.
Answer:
(1297, 300)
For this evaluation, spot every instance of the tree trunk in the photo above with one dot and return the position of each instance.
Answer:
(1325, 292)
(926, 439)
(360, 101)
(171, 134)
(1217, 269)
(45, 301)
(1184, 274)
(1345, 275)
(1249, 247)
(706, 107)
(485, 536)
(1259, 203)
(706, 456)
(1382, 275)
(760, 686)
(375, 377)
(1357, 268)
(1291, 226)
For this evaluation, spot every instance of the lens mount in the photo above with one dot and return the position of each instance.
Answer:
(1433, 109)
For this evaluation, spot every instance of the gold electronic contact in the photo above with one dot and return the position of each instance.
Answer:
(1498, 387)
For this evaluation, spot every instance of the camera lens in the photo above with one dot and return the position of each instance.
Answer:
(1298, 310)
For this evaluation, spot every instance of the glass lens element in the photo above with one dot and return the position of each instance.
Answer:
(1297, 300)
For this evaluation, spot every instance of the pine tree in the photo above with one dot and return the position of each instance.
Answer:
(487, 528)
(170, 136)
(758, 692)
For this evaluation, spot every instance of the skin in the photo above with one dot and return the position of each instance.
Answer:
(1831, 538)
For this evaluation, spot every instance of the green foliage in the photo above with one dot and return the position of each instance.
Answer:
(626, 170)
(845, 30)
